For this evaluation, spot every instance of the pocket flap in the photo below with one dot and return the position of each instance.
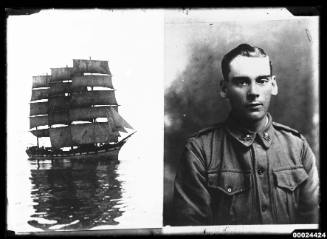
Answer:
(229, 182)
(290, 179)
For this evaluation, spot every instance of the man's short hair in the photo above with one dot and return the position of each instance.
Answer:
(241, 50)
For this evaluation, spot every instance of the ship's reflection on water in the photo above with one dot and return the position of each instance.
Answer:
(72, 195)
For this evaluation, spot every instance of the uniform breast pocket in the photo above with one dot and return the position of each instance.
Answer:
(231, 195)
(287, 182)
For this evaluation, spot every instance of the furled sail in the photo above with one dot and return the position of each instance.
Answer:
(38, 121)
(90, 66)
(61, 74)
(39, 94)
(92, 80)
(41, 81)
(93, 98)
(38, 108)
(40, 132)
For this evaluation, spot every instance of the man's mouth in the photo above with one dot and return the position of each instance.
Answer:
(254, 106)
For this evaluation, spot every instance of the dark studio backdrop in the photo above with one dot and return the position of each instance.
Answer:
(193, 53)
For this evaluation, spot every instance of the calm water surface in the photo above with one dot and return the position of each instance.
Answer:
(82, 195)
(74, 194)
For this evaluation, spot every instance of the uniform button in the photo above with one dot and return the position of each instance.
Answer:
(247, 137)
(264, 208)
(260, 171)
(266, 136)
(229, 189)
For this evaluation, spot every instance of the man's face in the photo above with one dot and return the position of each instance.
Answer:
(249, 87)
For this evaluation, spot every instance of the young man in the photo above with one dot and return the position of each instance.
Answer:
(249, 169)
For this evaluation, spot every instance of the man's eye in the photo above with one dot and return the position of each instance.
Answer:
(262, 80)
(241, 82)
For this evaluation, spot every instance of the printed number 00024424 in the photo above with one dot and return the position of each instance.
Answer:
(309, 234)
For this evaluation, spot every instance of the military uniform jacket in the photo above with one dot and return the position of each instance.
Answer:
(228, 175)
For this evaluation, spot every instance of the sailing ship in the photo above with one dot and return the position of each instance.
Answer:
(77, 109)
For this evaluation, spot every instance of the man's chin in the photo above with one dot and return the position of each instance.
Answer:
(255, 116)
(249, 116)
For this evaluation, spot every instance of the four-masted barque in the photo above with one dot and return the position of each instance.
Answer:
(77, 109)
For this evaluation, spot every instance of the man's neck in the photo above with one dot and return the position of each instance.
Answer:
(254, 126)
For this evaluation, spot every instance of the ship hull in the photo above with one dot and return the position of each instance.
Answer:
(108, 154)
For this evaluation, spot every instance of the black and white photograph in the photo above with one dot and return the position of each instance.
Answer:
(241, 118)
(167, 121)
(84, 120)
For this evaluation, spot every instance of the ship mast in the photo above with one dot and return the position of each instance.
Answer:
(70, 122)
(37, 139)
(92, 106)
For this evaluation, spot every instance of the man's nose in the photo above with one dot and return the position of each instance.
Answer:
(253, 91)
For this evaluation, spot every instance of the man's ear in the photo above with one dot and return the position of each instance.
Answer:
(274, 85)
(223, 89)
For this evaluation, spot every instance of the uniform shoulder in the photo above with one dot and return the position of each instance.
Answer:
(206, 130)
(281, 127)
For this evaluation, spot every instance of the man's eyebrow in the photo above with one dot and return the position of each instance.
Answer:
(248, 78)
(263, 76)
(240, 77)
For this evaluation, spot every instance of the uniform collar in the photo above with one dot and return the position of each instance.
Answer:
(247, 137)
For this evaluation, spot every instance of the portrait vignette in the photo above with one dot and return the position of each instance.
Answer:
(194, 50)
